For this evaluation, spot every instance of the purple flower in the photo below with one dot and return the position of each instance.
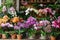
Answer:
(3, 25)
(26, 25)
(31, 18)
(21, 25)
(10, 25)
(7, 24)
(16, 27)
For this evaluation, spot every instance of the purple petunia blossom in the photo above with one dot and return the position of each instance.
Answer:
(6, 25)
(21, 25)
(16, 27)
(31, 18)
(3, 25)
(10, 25)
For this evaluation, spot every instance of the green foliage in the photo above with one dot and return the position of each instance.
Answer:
(0, 9)
(9, 3)
(31, 32)
(54, 6)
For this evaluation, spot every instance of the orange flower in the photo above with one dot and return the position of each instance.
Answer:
(15, 19)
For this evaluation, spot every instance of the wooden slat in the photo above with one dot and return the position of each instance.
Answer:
(39, 1)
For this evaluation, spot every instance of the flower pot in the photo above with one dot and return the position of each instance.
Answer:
(4, 36)
(19, 37)
(43, 37)
(31, 37)
(52, 38)
(0, 35)
(13, 36)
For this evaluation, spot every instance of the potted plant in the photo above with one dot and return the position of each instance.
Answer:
(4, 36)
(55, 28)
(19, 31)
(31, 33)
(19, 35)
(43, 35)
(0, 32)
(13, 34)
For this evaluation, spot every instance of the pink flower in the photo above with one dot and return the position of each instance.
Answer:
(44, 22)
(58, 19)
(24, 3)
(55, 24)
(45, 10)
(48, 10)
(36, 26)
(12, 9)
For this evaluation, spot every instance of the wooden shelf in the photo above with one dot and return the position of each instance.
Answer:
(40, 1)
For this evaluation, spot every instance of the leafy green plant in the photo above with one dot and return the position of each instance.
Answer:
(0, 9)
(31, 32)
(9, 3)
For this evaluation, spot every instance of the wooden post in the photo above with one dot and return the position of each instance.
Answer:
(3, 2)
(48, 0)
(41, 1)
(17, 5)
(53, 0)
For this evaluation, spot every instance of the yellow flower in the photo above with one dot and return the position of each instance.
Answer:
(5, 19)
(0, 20)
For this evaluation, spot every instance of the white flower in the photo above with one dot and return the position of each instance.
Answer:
(31, 9)
(4, 9)
(10, 25)
(53, 12)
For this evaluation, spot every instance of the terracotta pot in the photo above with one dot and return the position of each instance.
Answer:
(19, 37)
(13, 36)
(42, 37)
(0, 35)
(31, 37)
(52, 38)
(4, 36)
